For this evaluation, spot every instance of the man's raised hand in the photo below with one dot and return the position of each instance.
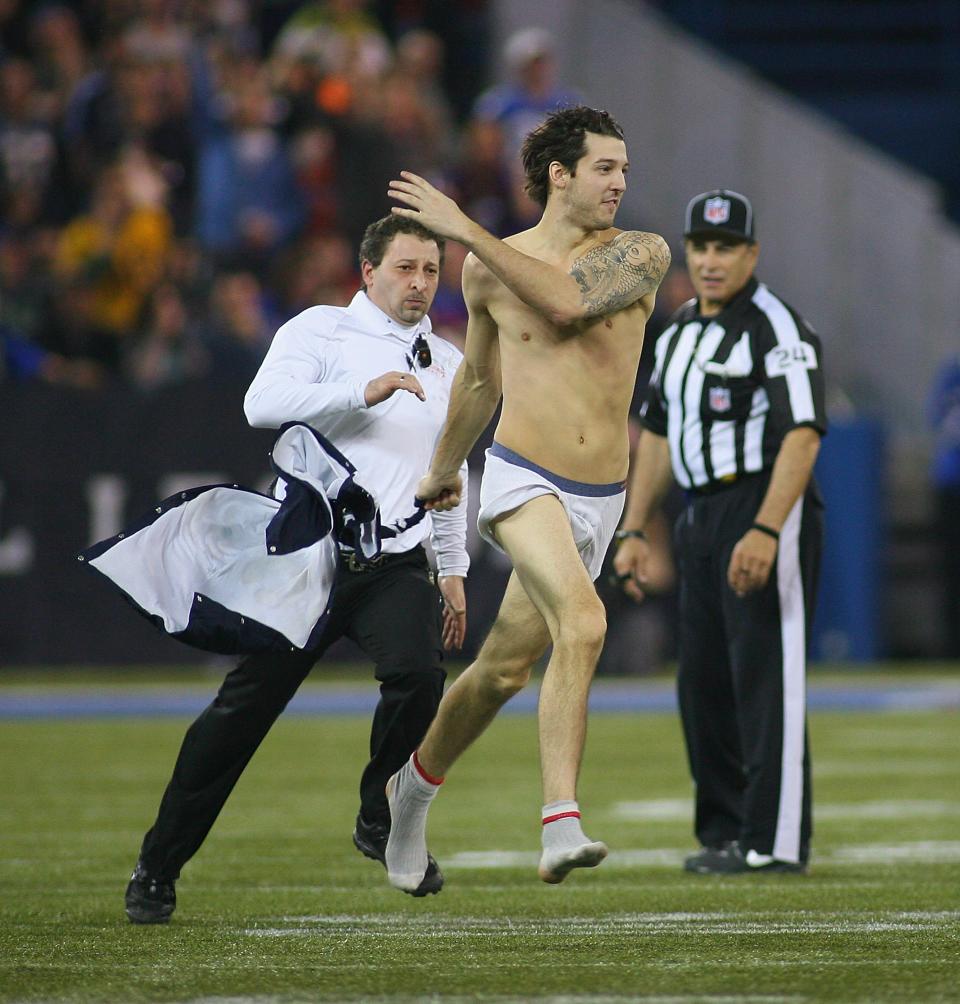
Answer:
(429, 206)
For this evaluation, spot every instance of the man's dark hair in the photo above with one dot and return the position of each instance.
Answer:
(377, 237)
(561, 137)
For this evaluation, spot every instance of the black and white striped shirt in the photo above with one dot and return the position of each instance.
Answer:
(725, 390)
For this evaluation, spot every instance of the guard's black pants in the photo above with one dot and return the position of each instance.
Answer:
(741, 680)
(393, 613)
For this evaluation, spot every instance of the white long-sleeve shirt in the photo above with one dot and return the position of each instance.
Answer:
(316, 371)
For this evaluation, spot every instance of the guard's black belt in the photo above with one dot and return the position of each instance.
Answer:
(350, 561)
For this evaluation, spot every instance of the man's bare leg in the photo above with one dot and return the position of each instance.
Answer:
(516, 641)
(555, 579)
(557, 601)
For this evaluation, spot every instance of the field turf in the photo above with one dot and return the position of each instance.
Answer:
(279, 907)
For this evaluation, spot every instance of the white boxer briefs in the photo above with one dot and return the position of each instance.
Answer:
(594, 510)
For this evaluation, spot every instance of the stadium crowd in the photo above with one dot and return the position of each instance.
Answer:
(179, 178)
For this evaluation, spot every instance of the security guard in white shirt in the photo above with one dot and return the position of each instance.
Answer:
(375, 380)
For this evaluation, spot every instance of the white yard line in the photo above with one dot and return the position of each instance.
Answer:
(868, 768)
(672, 810)
(758, 925)
(916, 852)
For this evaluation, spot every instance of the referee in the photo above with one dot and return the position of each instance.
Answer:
(734, 413)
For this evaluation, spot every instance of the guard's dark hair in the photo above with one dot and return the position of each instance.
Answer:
(377, 237)
(561, 137)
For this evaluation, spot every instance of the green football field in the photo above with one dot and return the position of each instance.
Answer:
(279, 907)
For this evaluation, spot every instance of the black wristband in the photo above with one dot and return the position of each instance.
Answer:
(769, 531)
(627, 534)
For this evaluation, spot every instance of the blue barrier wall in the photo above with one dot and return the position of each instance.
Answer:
(850, 470)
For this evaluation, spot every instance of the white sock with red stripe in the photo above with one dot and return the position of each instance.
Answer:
(565, 845)
(409, 794)
(561, 825)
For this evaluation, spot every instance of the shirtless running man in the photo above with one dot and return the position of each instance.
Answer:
(556, 322)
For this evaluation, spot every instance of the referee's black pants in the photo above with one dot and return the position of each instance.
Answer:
(392, 611)
(742, 668)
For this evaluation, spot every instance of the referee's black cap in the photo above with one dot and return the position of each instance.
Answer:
(720, 212)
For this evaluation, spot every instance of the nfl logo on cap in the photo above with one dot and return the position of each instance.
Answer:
(716, 210)
(719, 213)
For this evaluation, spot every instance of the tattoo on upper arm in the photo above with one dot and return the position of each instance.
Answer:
(611, 276)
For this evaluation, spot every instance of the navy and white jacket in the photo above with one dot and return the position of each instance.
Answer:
(229, 569)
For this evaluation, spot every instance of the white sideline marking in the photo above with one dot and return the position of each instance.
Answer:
(757, 925)
(916, 852)
(905, 809)
(658, 808)
(526, 999)
(920, 851)
(679, 809)
(668, 857)
(868, 768)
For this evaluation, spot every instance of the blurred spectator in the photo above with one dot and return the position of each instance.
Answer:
(945, 418)
(418, 139)
(117, 249)
(156, 35)
(238, 329)
(58, 53)
(248, 203)
(137, 95)
(24, 285)
(481, 179)
(340, 36)
(463, 26)
(335, 45)
(68, 333)
(313, 152)
(417, 74)
(178, 178)
(24, 360)
(31, 190)
(319, 269)
(531, 92)
(168, 350)
(367, 159)
(14, 28)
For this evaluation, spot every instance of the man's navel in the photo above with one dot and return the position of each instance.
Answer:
(525, 336)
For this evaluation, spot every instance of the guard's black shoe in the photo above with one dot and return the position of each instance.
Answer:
(149, 900)
(731, 860)
(705, 861)
(371, 839)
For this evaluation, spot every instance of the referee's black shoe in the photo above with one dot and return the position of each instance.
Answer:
(149, 900)
(371, 839)
(729, 859)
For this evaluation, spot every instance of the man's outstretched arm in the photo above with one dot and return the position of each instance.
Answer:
(607, 278)
(473, 399)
